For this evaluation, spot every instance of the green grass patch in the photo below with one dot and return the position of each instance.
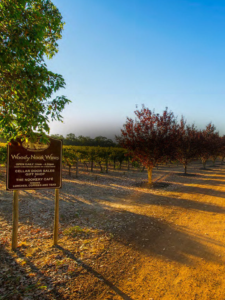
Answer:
(75, 231)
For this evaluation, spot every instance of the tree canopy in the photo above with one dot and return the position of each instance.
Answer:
(188, 146)
(151, 138)
(29, 30)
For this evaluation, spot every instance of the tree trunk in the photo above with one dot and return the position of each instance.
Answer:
(86, 164)
(185, 168)
(106, 166)
(114, 163)
(100, 167)
(92, 162)
(150, 175)
(69, 170)
(77, 168)
(128, 164)
(222, 160)
(204, 163)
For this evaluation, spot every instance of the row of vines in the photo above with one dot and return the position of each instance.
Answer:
(94, 156)
(91, 156)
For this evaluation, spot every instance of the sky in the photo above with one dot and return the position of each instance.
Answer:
(116, 54)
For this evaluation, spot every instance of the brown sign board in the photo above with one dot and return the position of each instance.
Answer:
(32, 166)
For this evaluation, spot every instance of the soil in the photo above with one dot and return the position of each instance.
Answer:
(119, 238)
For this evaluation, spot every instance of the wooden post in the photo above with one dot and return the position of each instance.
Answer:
(56, 220)
(15, 219)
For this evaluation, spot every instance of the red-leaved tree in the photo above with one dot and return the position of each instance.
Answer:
(222, 149)
(215, 146)
(150, 138)
(187, 145)
(209, 143)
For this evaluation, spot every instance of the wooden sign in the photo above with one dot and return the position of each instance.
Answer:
(34, 165)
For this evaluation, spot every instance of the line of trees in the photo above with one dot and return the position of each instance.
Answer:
(81, 140)
(149, 140)
(187, 145)
(153, 139)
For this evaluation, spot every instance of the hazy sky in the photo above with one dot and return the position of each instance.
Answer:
(115, 54)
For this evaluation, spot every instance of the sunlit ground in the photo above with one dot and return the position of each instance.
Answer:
(118, 240)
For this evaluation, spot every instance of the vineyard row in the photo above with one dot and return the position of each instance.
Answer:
(90, 156)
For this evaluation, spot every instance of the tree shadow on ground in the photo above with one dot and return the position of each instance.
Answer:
(214, 166)
(176, 202)
(190, 186)
(154, 237)
(95, 273)
(151, 236)
(38, 208)
(201, 188)
(147, 235)
(203, 238)
(18, 284)
(187, 174)
(214, 181)
(144, 232)
(209, 172)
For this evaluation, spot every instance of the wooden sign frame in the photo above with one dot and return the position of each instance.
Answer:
(34, 168)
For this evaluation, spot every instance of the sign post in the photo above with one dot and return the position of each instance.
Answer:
(15, 219)
(56, 219)
(32, 166)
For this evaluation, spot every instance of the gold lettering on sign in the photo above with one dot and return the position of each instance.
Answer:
(37, 146)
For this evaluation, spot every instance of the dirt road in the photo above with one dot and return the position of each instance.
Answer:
(119, 240)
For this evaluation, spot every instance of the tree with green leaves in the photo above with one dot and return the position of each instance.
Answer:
(71, 137)
(29, 30)
(3, 154)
